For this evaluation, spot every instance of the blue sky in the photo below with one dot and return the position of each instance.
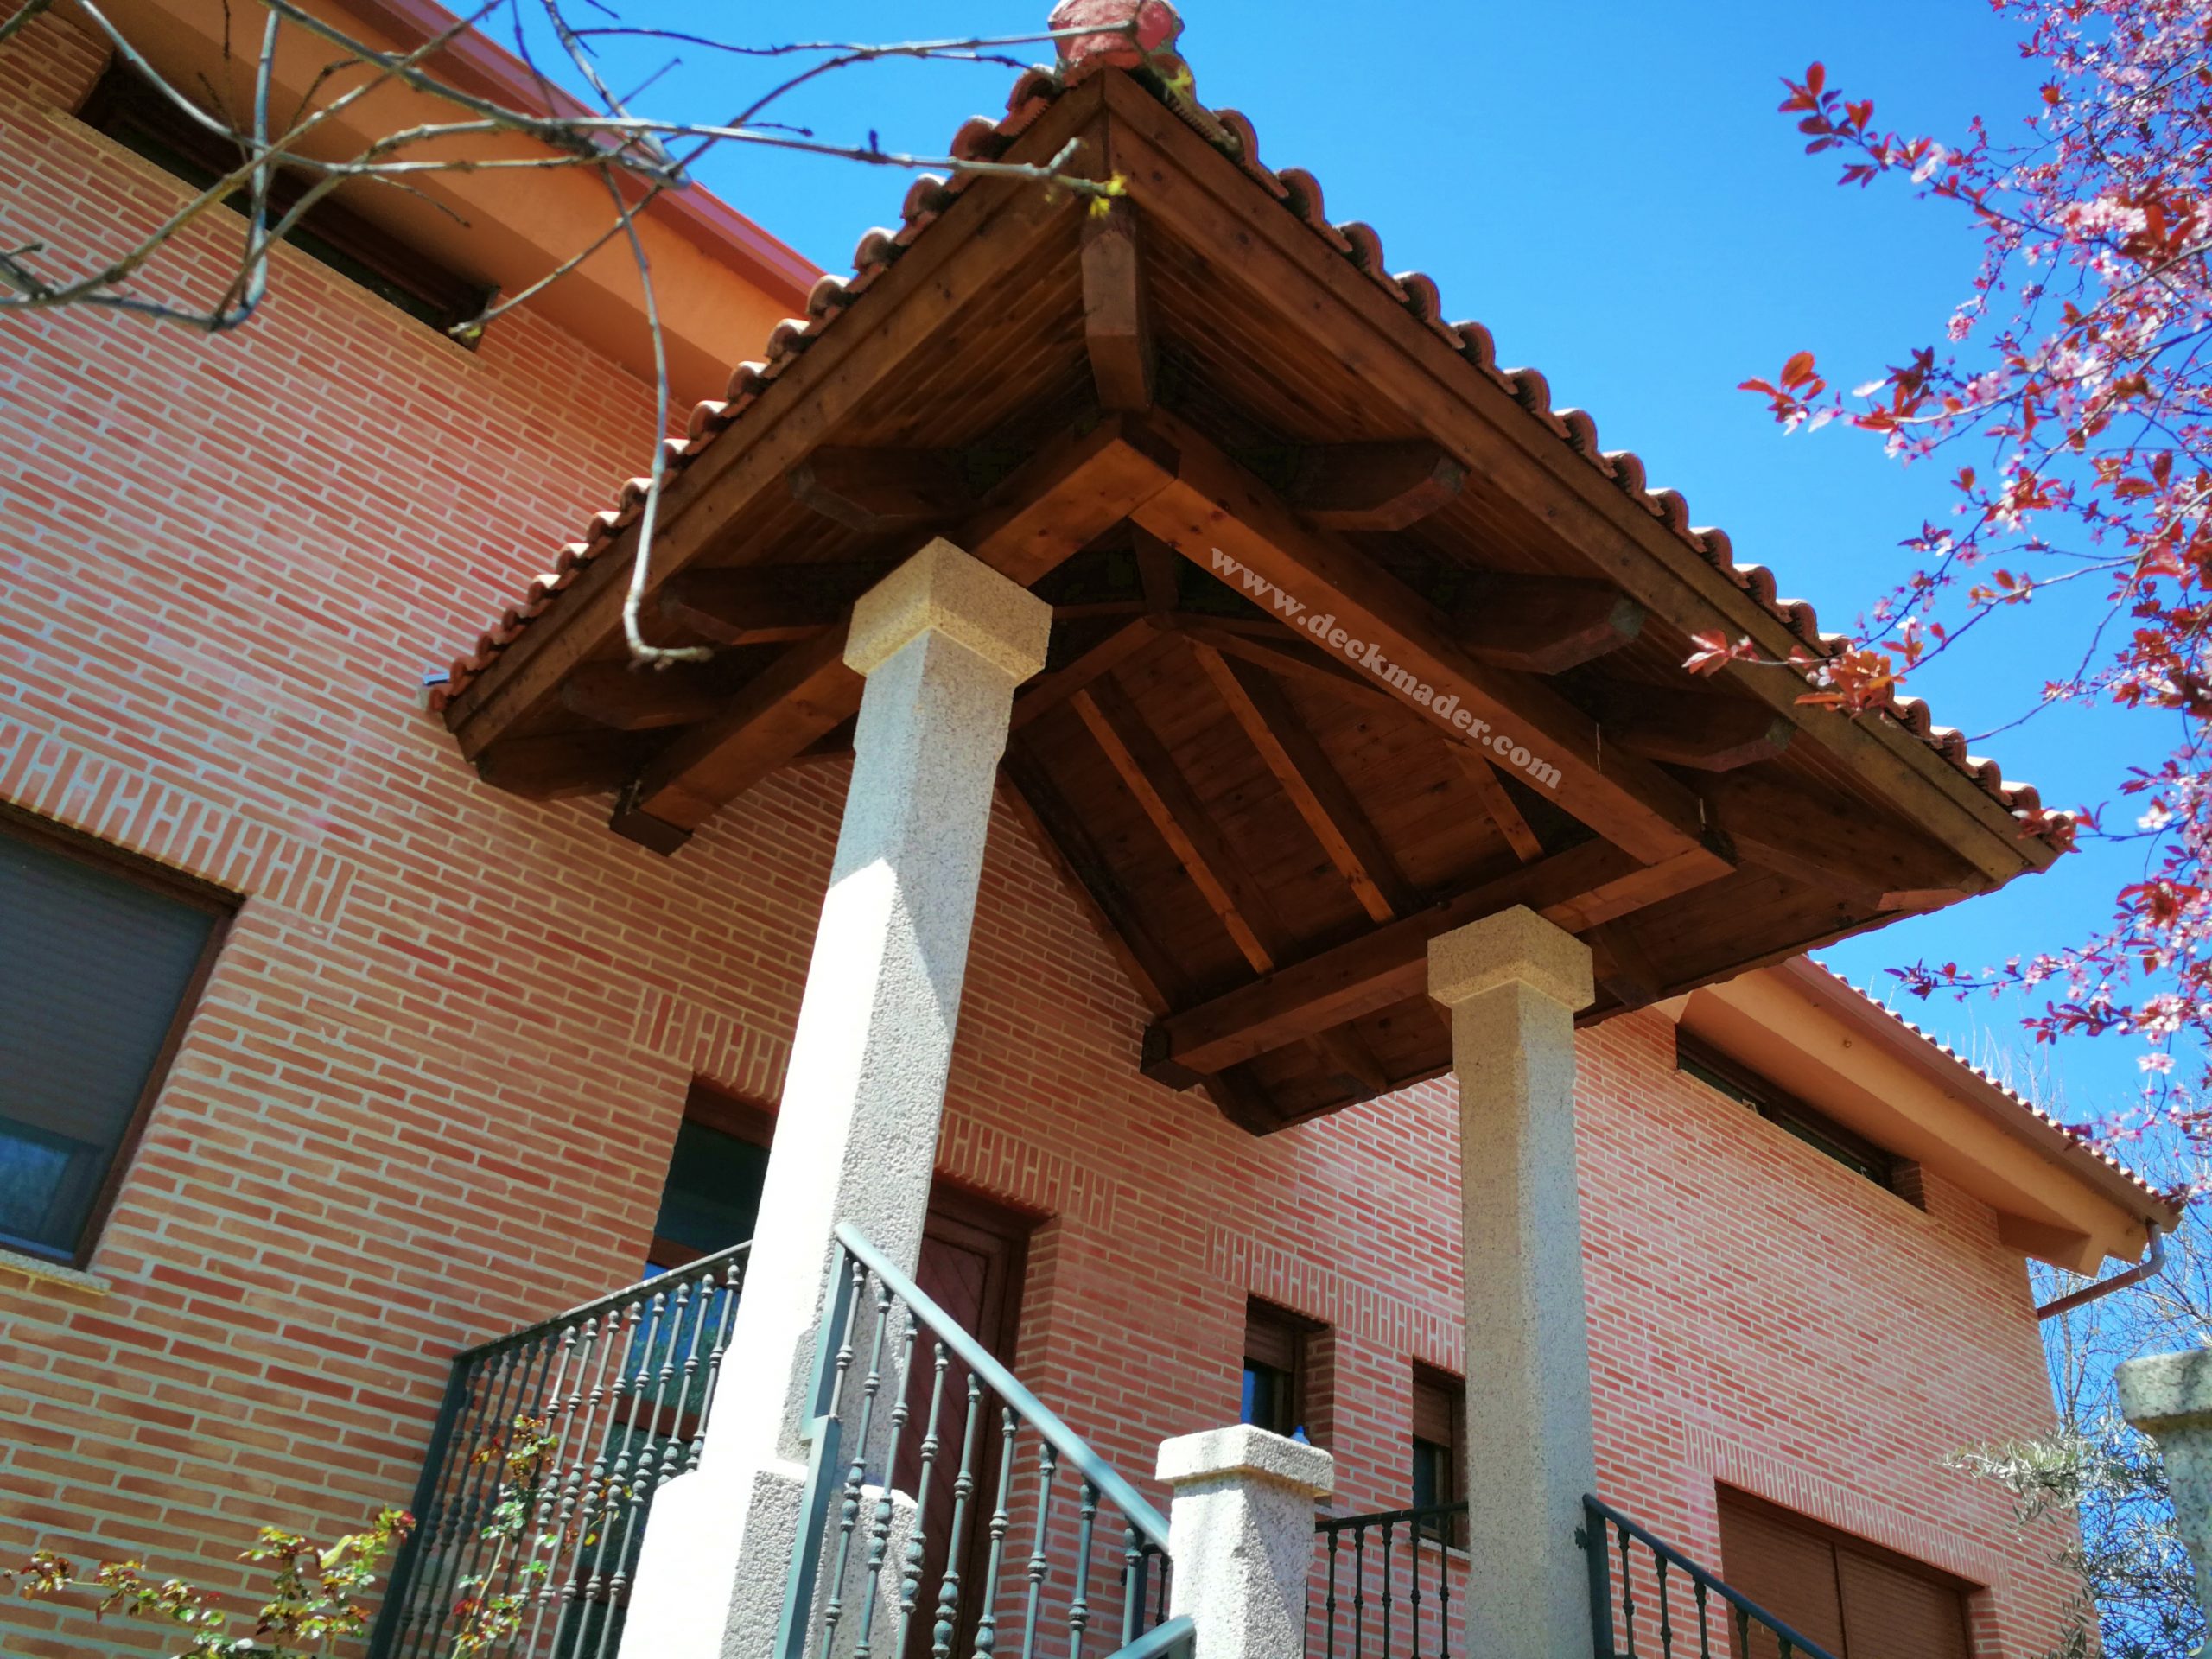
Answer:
(1608, 187)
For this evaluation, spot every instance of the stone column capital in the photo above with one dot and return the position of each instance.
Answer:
(2160, 1393)
(1513, 946)
(1244, 1452)
(945, 589)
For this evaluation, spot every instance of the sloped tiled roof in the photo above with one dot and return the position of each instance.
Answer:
(983, 139)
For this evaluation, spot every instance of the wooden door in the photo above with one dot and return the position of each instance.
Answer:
(1855, 1598)
(973, 1255)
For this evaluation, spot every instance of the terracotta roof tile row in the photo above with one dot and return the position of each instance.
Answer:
(984, 139)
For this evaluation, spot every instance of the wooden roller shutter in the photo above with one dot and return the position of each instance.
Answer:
(1855, 1598)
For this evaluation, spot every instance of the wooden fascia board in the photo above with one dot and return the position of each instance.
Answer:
(1215, 506)
(1191, 191)
(985, 236)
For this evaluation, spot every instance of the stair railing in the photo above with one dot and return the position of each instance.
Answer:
(1606, 1531)
(890, 1361)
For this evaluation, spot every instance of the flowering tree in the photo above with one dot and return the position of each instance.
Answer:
(2072, 404)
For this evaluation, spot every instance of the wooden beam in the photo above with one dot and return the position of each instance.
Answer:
(878, 491)
(1871, 864)
(1375, 485)
(1056, 685)
(1117, 314)
(1279, 652)
(1326, 305)
(1622, 967)
(1545, 624)
(561, 764)
(1215, 509)
(1073, 490)
(1343, 1055)
(1313, 785)
(1116, 915)
(1702, 731)
(1498, 805)
(752, 605)
(1151, 776)
(994, 230)
(637, 700)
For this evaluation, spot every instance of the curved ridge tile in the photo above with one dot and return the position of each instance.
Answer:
(978, 139)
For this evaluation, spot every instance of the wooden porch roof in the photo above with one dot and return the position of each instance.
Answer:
(1177, 421)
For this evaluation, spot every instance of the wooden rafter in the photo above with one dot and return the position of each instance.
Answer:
(1498, 805)
(1279, 652)
(1375, 485)
(1116, 317)
(1056, 685)
(1871, 866)
(877, 491)
(1312, 783)
(1213, 508)
(1706, 733)
(763, 605)
(1151, 775)
(1545, 624)
(1578, 889)
(636, 700)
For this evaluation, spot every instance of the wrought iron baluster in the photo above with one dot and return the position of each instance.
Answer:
(579, 1483)
(1704, 1635)
(987, 1617)
(537, 1377)
(602, 1506)
(1412, 1615)
(1444, 1598)
(439, 1569)
(1132, 1585)
(910, 1572)
(715, 1359)
(1743, 1633)
(1628, 1598)
(1359, 1591)
(1388, 1528)
(1048, 1463)
(963, 1489)
(630, 1484)
(1329, 1605)
(693, 1300)
(1666, 1622)
(879, 1540)
(849, 1509)
(1079, 1607)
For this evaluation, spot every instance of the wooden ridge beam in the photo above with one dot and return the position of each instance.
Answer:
(1151, 775)
(1375, 485)
(1325, 304)
(878, 491)
(1545, 624)
(1213, 509)
(993, 230)
(1577, 889)
(1117, 311)
(1313, 785)
(1073, 490)
(1702, 731)
(752, 605)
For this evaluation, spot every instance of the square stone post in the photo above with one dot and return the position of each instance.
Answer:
(1240, 1535)
(2169, 1397)
(944, 641)
(1513, 982)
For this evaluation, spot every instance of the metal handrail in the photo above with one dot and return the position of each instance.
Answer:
(636, 1290)
(1174, 1640)
(1602, 1511)
(1001, 1382)
(1327, 1523)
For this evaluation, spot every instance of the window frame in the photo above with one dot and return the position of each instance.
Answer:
(219, 902)
(1434, 1380)
(124, 108)
(1296, 1333)
(1700, 1060)
(749, 1121)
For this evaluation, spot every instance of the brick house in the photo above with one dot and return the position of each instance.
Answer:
(337, 1052)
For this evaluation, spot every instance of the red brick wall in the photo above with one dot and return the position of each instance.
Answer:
(434, 1084)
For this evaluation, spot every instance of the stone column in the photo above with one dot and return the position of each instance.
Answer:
(1513, 982)
(1240, 1535)
(944, 641)
(2169, 1397)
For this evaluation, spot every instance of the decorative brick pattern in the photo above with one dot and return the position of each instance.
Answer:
(432, 1089)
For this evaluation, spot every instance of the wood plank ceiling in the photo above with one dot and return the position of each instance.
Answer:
(1269, 833)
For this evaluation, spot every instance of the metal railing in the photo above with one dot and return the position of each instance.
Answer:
(611, 1399)
(1390, 1584)
(1676, 1591)
(898, 1390)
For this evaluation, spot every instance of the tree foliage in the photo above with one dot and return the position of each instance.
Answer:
(2069, 403)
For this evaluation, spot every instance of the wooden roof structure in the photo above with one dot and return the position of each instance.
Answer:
(1356, 639)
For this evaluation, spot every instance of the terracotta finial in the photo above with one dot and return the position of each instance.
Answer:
(1152, 39)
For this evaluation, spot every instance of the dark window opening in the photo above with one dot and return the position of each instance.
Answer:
(712, 1198)
(103, 957)
(1277, 1346)
(1440, 1450)
(130, 111)
(1786, 1112)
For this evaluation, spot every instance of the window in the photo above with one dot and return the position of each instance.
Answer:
(712, 1198)
(129, 110)
(1856, 1600)
(1815, 1127)
(102, 957)
(1277, 1345)
(1440, 1448)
